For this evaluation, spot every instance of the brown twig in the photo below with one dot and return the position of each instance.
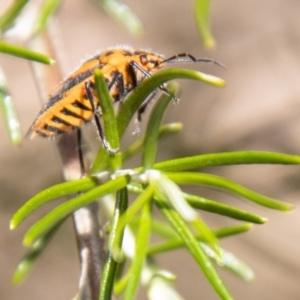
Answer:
(86, 223)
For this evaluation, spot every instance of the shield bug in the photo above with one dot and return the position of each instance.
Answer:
(74, 101)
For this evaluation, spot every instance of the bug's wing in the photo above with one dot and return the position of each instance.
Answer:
(64, 112)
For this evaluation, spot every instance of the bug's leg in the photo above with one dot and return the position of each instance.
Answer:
(141, 110)
(144, 105)
(164, 89)
(89, 89)
(133, 67)
(117, 82)
(117, 89)
(80, 152)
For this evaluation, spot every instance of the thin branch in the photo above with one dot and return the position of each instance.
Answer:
(86, 223)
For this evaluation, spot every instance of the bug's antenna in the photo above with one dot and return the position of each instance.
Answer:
(188, 58)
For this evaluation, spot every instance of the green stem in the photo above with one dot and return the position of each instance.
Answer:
(110, 267)
(194, 248)
(152, 132)
(140, 253)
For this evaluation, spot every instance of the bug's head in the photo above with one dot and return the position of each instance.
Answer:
(150, 61)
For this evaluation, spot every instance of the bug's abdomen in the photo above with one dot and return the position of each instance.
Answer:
(66, 114)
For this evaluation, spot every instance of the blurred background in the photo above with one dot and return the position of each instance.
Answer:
(259, 42)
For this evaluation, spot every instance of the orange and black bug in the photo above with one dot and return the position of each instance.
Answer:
(75, 102)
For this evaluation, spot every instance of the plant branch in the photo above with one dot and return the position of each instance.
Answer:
(86, 223)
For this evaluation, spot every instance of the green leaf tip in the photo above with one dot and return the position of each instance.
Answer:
(25, 53)
(222, 183)
(287, 206)
(49, 194)
(211, 79)
(27, 242)
(227, 158)
(210, 43)
(202, 16)
(118, 256)
(18, 275)
(9, 113)
(62, 211)
(122, 12)
(12, 225)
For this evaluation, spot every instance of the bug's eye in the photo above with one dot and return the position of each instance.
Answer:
(144, 59)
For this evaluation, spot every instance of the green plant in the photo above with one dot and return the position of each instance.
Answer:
(157, 186)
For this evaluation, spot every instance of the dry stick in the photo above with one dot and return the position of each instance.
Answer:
(86, 222)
